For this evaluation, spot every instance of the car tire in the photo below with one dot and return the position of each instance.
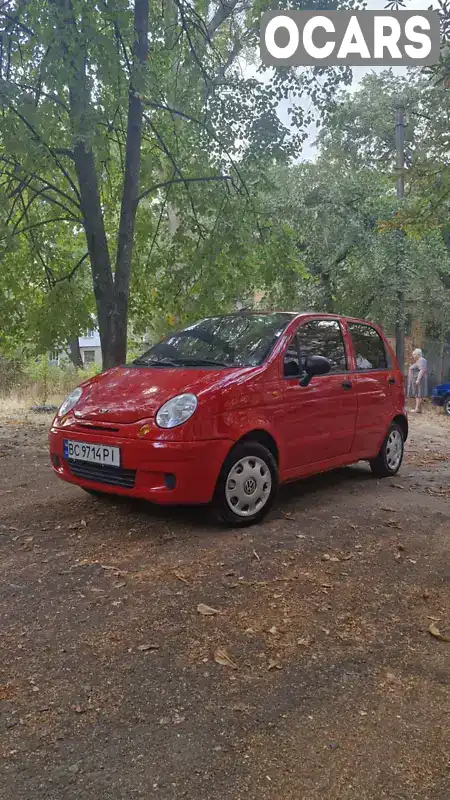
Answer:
(234, 500)
(390, 457)
(447, 406)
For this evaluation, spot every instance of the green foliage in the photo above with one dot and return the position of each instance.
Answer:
(67, 72)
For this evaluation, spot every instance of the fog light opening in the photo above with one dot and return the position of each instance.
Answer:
(170, 480)
(56, 460)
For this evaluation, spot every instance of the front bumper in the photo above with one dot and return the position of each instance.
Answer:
(172, 473)
(437, 399)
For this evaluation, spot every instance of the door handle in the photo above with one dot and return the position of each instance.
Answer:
(391, 380)
(347, 385)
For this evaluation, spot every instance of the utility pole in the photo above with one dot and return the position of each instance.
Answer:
(400, 165)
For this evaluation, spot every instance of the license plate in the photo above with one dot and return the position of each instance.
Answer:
(94, 453)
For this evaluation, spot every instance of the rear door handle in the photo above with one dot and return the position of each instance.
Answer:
(391, 380)
(347, 385)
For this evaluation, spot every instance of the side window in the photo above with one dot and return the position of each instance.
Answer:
(369, 347)
(291, 366)
(323, 337)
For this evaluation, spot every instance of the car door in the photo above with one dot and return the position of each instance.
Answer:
(319, 419)
(378, 383)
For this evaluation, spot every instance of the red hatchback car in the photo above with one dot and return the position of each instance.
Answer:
(230, 407)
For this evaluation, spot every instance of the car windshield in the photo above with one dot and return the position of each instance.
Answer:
(237, 340)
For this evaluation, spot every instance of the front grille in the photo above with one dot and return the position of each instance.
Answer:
(83, 425)
(102, 473)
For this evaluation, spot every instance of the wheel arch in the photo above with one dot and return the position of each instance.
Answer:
(402, 421)
(264, 438)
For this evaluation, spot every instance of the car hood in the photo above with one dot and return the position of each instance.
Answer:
(129, 394)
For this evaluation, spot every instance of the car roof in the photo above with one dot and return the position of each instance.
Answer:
(294, 314)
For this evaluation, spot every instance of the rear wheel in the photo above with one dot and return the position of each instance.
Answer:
(390, 457)
(447, 405)
(247, 484)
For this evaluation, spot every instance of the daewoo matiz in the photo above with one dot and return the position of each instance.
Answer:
(226, 409)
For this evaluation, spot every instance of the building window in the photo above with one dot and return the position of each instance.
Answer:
(89, 357)
(54, 356)
(90, 334)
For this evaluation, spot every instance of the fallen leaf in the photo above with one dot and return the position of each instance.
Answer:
(144, 647)
(180, 576)
(207, 611)
(120, 584)
(397, 486)
(239, 707)
(392, 523)
(326, 557)
(437, 634)
(306, 641)
(222, 657)
(255, 555)
(273, 629)
(387, 508)
(300, 536)
(274, 664)
(83, 523)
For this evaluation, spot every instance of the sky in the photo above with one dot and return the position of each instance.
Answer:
(309, 149)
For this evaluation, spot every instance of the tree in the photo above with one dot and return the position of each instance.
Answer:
(110, 109)
(339, 216)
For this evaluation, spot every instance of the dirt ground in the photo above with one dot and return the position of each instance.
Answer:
(336, 688)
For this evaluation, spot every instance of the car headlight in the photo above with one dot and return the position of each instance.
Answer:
(70, 401)
(176, 411)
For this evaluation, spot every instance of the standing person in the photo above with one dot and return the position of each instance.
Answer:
(418, 380)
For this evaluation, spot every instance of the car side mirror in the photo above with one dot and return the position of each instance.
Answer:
(314, 365)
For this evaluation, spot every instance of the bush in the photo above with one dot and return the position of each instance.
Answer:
(36, 380)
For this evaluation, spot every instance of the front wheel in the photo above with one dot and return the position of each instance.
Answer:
(447, 406)
(247, 484)
(389, 459)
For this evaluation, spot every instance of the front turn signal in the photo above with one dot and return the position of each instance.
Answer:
(143, 431)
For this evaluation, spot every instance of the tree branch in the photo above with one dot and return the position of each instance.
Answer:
(50, 149)
(204, 179)
(224, 11)
(72, 272)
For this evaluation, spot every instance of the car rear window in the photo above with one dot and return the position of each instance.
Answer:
(370, 351)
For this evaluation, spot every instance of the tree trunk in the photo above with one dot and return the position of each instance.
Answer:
(325, 280)
(130, 185)
(98, 249)
(111, 292)
(75, 353)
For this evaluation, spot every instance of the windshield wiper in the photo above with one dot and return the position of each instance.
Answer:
(156, 362)
(202, 362)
